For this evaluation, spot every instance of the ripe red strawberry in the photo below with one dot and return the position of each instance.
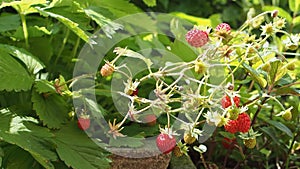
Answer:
(196, 37)
(226, 102)
(165, 143)
(150, 119)
(223, 27)
(243, 122)
(228, 143)
(231, 126)
(84, 122)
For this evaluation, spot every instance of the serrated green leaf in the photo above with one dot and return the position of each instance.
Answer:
(32, 63)
(24, 133)
(281, 127)
(9, 22)
(77, 150)
(67, 22)
(281, 12)
(15, 157)
(150, 3)
(13, 75)
(255, 75)
(44, 86)
(52, 109)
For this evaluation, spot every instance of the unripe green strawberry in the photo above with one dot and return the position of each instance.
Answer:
(250, 143)
(287, 115)
(291, 66)
(177, 152)
(188, 138)
(200, 67)
(233, 113)
(266, 67)
(222, 122)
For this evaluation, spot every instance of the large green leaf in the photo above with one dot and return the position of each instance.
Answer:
(52, 109)
(32, 63)
(13, 75)
(44, 86)
(73, 26)
(24, 133)
(15, 157)
(77, 150)
(9, 22)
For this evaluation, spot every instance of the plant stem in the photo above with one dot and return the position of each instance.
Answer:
(25, 31)
(290, 149)
(203, 161)
(62, 46)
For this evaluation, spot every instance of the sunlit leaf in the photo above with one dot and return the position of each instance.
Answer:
(33, 64)
(77, 150)
(67, 22)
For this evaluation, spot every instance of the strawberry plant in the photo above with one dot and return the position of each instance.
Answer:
(82, 80)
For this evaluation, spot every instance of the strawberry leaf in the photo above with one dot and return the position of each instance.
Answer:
(24, 133)
(51, 109)
(13, 75)
(82, 153)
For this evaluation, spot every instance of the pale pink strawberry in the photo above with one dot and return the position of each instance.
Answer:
(196, 37)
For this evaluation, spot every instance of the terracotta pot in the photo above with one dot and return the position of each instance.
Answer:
(124, 161)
